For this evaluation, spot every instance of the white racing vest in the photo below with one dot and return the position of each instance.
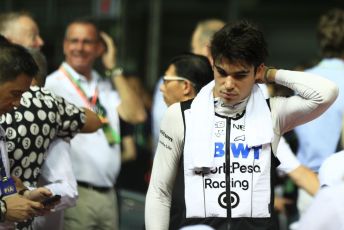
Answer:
(248, 181)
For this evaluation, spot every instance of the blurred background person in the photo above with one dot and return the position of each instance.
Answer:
(319, 138)
(200, 41)
(96, 157)
(184, 77)
(20, 28)
(49, 116)
(17, 68)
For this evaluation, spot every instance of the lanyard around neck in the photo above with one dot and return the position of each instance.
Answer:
(76, 84)
(94, 104)
(2, 163)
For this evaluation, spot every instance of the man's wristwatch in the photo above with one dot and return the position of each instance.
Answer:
(3, 210)
(266, 74)
(114, 72)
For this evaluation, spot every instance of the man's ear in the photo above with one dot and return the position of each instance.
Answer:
(260, 71)
(211, 60)
(187, 88)
(64, 46)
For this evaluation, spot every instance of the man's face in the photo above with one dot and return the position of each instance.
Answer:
(233, 81)
(12, 91)
(25, 32)
(81, 46)
(172, 90)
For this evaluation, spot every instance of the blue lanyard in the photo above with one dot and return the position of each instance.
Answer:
(2, 166)
(7, 184)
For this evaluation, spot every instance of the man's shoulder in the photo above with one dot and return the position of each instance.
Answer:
(41, 93)
(334, 159)
(174, 108)
(329, 68)
(173, 114)
(55, 77)
(331, 170)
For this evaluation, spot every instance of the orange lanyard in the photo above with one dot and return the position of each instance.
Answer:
(75, 83)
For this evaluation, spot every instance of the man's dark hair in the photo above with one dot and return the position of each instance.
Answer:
(331, 33)
(239, 42)
(193, 67)
(15, 60)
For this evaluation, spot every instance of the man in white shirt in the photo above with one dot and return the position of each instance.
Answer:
(319, 139)
(331, 171)
(95, 157)
(327, 209)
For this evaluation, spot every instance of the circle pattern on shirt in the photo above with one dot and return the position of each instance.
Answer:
(42, 115)
(22, 130)
(45, 129)
(33, 157)
(25, 101)
(10, 146)
(32, 127)
(17, 171)
(26, 143)
(9, 118)
(25, 162)
(28, 116)
(37, 102)
(18, 116)
(18, 154)
(27, 173)
(11, 133)
(52, 117)
(39, 141)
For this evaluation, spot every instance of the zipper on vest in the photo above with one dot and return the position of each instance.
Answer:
(228, 185)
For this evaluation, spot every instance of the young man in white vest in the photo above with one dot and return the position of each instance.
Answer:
(215, 159)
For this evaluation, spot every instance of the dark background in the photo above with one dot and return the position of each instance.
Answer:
(149, 32)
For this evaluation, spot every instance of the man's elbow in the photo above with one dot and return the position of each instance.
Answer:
(141, 117)
(332, 93)
(68, 199)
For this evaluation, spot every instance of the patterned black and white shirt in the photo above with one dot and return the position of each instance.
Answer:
(31, 127)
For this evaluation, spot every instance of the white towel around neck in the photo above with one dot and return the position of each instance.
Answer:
(200, 125)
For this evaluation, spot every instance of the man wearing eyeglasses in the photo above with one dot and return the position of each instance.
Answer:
(200, 40)
(215, 159)
(184, 77)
